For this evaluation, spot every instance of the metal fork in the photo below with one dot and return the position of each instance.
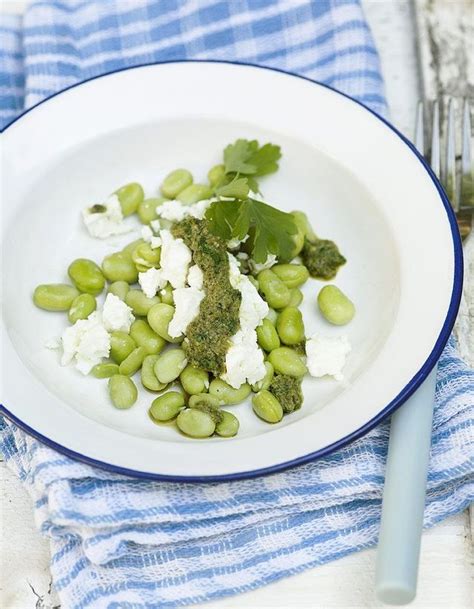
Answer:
(411, 426)
(458, 182)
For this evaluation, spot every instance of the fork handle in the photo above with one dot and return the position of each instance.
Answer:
(404, 496)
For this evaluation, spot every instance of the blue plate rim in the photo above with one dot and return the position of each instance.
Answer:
(402, 396)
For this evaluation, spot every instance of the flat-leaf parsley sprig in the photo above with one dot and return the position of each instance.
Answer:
(239, 214)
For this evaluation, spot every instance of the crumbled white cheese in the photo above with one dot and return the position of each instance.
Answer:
(175, 211)
(155, 225)
(175, 259)
(269, 262)
(106, 223)
(149, 236)
(116, 315)
(186, 304)
(86, 342)
(53, 344)
(195, 277)
(244, 359)
(327, 355)
(151, 281)
(147, 233)
(253, 308)
(233, 244)
(199, 209)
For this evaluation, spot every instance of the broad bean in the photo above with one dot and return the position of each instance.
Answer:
(335, 305)
(159, 317)
(128, 249)
(123, 391)
(121, 345)
(82, 306)
(147, 209)
(266, 381)
(105, 370)
(166, 295)
(296, 297)
(170, 365)
(148, 376)
(175, 182)
(286, 361)
(267, 336)
(204, 399)
(216, 175)
(194, 380)
(86, 276)
(227, 394)
(290, 326)
(145, 337)
(133, 362)
(267, 407)
(304, 225)
(139, 303)
(292, 275)
(274, 290)
(119, 289)
(167, 406)
(228, 426)
(145, 257)
(55, 296)
(130, 197)
(194, 193)
(120, 267)
(195, 423)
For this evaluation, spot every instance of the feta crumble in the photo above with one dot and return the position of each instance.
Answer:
(175, 211)
(151, 281)
(52, 344)
(116, 315)
(195, 277)
(103, 224)
(186, 303)
(326, 355)
(86, 342)
(149, 236)
(244, 359)
(257, 266)
(233, 244)
(175, 259)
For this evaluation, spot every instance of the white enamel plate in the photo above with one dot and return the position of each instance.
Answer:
(360, 183)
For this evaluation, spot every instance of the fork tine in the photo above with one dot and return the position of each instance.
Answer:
(467, 169)
(435, 150)
(419, 129)
(450, 172)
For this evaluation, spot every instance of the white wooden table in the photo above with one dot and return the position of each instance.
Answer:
(446, 569)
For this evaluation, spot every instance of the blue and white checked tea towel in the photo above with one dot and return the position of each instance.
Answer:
(134, 544)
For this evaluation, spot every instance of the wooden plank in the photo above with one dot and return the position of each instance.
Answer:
(446, 42)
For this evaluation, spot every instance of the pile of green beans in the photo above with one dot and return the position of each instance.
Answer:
(189, 397)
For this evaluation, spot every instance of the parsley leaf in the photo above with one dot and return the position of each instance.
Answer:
(248, 158)
(238, 188)
(272, 229)
(237, 154)
(266, 159)
(222, 216)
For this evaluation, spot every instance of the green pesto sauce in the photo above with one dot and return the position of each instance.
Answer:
(287, 391)
(322, 258)
(209, 333)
